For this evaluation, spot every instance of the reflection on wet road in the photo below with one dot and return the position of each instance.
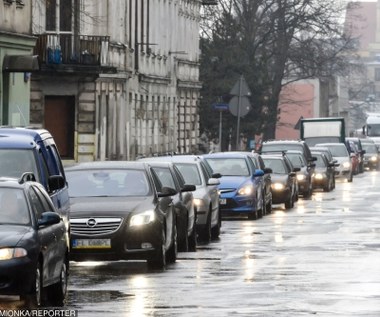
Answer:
(320, 258)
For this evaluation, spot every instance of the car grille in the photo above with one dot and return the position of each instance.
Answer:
(92, 226)
(226, 190)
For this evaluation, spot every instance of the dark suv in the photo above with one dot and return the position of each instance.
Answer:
(34, 150)
(284, 145)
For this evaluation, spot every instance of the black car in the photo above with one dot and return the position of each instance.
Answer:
(323, 176)
(304, 175)
(167, 175)
(117, 214)
(332, 161)
(284, 180)
(284, 145)
(371, 156)
(195, 171)
(34, 243)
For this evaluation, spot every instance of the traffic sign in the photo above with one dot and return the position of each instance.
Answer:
(220, 106)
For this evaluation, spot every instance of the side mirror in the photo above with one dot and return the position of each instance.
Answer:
(292, 174)
(167, 191)
(363, 152)
(213, 182)
(48, 218)
(56, 182)
(258, 172)
(313, 159)
(311, 165)
(188, 188)
(216, 175)
(268, 170)
(296, 169)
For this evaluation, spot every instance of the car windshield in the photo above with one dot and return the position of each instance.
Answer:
(190, 173)
(276, 165)
(15, 162)
(369, 148)
(296, 159)
(320, 162)
(337, 150)
(13, 207)
(107, 182)
(229, 166)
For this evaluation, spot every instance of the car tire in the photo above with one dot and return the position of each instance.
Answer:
(268, 207)
(183, 245)
(289, 203)
(192, 241)
(35, 298)
(171, 254)
(253, 215)
(215, 231)
(205, 234)
(158, 261)
(58, 291)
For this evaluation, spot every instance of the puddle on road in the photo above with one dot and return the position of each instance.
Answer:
(95, 296)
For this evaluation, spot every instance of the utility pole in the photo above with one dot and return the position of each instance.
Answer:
(239, 105)
(238, 115)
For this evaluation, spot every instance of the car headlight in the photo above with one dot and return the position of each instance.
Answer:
(278, 186)
(198, 202)
(246, 190)
(12, 253)
(373, 158)
(142, 219)
(319, 176)
(301, 177)
(346, 164)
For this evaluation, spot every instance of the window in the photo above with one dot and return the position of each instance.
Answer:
(377, 74)
(59, 15)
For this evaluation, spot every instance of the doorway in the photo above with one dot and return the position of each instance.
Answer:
(60, 122)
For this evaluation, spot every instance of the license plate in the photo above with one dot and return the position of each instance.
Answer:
(222, 201)
(91, 244)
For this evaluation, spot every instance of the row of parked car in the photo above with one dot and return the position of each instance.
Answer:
(148, 209)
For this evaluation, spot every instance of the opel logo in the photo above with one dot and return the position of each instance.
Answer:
(91, 222)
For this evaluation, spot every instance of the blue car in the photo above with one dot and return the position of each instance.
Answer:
(241, 185)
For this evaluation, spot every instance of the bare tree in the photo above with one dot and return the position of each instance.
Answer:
(276, 42)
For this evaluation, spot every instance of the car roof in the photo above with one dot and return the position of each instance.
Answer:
(22, 137)
(328, 144)
(172, 158)
(107, 164)
(226, 154)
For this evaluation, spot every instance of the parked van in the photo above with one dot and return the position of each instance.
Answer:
(34, 150)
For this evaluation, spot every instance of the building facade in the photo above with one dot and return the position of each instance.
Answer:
(118, 79)
(16, 61)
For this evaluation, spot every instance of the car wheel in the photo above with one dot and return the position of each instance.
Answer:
(58, 291)
(268, 207)
(158, 261)
(215, 231)
(34, 299)
(192, 243)
(183, 246)
(253, 215)
(171, 255)
(289, 203)
(205, 234)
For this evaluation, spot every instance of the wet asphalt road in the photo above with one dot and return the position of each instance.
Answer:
(321, 258)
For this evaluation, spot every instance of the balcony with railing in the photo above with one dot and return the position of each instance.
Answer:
(67, 51)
